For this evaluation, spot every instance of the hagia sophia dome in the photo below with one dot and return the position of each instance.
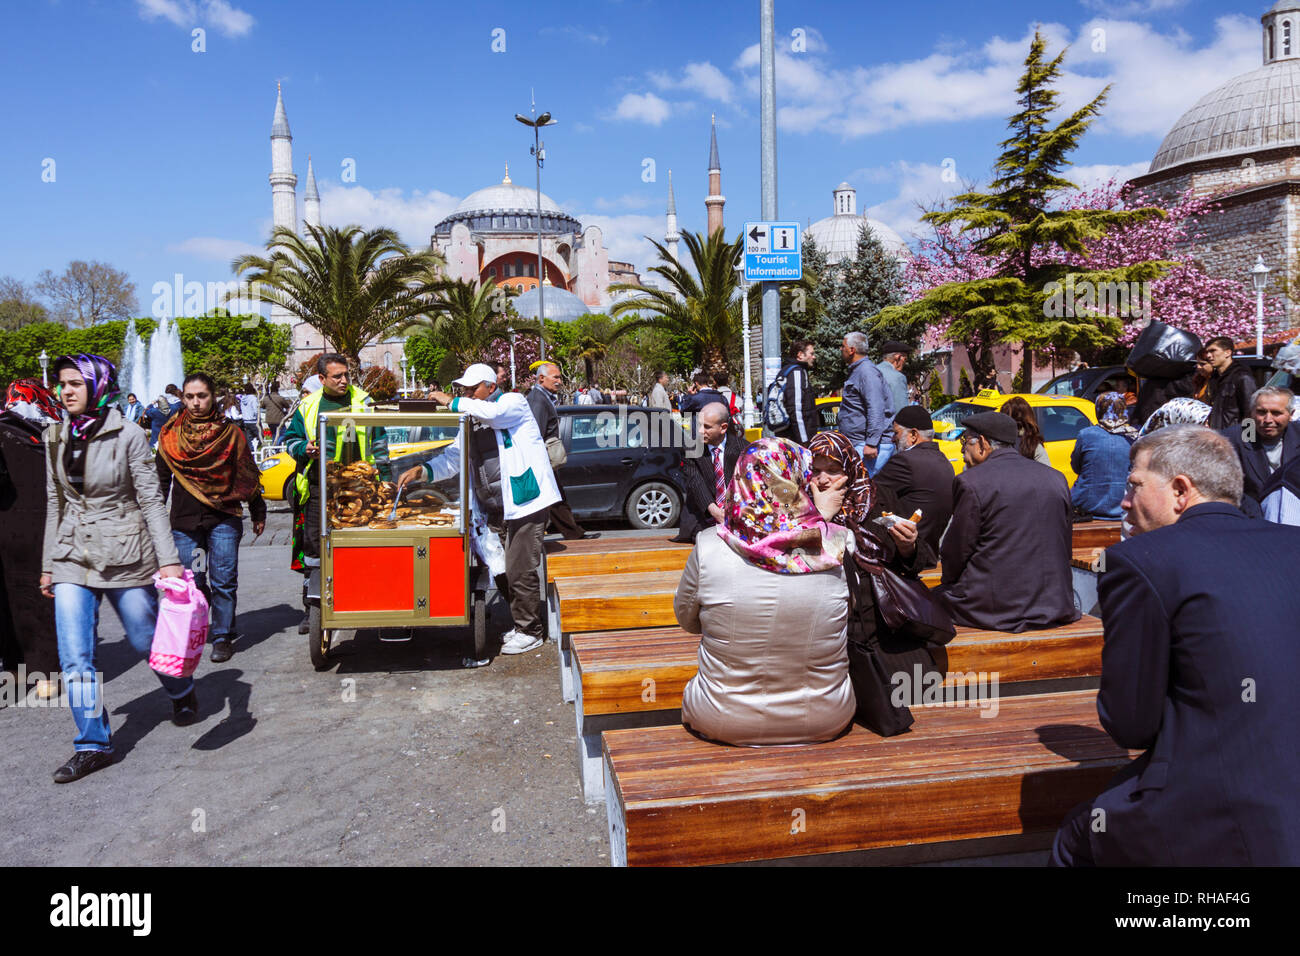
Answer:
(837, 234)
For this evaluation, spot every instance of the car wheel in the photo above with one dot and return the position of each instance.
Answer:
(290, 488)
(653, 506)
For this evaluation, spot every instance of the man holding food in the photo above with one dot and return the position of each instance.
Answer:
(511, 480)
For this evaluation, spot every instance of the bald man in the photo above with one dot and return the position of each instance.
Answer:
(543, 399)
(705, 476)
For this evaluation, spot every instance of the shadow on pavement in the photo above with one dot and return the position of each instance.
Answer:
(216, 690)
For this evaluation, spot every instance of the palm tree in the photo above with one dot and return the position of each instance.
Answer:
(352, 285)
(702, 304)
(595, 335)
(465, 319)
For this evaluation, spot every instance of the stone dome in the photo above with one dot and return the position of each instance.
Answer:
(561, 304)
(510, 209)
(1257, 110)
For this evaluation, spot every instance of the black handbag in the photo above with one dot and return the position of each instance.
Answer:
(907, 608)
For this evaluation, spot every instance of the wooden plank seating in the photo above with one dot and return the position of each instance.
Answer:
(1095, 534)
(958, 784)
(635, 678)
(567, 559)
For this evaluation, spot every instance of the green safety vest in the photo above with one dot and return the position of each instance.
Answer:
(310, 409)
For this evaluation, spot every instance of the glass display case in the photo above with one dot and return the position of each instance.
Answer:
(388, 560)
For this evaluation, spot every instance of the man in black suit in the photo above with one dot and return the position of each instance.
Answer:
(1006, 556)
(1199, 670)
(543, 399)
(702, 393)
(705, 476)
(1264, 443)
(917, 475)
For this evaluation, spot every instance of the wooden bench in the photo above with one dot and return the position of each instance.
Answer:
(635, 678)
(567, 559)
(958, 784)
(1094, 534)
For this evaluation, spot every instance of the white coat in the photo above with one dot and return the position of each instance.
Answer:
(527, 480)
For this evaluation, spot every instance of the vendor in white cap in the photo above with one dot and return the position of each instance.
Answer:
(512, 482)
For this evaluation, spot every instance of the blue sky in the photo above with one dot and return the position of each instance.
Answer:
(161, 154)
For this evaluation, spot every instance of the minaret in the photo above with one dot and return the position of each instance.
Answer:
(310, 199)
(715, 201)
(671, 235)
(284, 197)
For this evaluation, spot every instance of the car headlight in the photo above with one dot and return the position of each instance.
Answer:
(269, 463)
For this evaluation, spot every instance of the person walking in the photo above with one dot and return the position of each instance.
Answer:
(206, 466)
(516, 454)
(106, 533)
(1231, 385)
(543, 399)
(275, 408)
(659, 394)
(27, 633)
(134, 411)
(797, 395)
(867, 407)
(249, 413)
(891, 368)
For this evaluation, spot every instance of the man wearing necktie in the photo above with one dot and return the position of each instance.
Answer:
(706, 475)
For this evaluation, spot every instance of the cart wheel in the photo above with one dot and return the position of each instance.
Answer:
(318, 639)
(478, 618)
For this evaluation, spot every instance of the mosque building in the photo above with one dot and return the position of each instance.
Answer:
(837, 234)
(1240, 144)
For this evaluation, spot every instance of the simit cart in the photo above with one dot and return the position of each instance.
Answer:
(416, 570)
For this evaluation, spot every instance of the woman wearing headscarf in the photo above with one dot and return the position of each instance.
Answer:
(876, 653)
(770, 672)
(1031, 437)
(106, 533)
(206, 467)
(1100, 459)
(26, 618)
(1176, 411)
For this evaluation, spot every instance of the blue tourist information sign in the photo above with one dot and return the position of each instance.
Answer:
(773, 252)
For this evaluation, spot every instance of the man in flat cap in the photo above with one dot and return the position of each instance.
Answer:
(1006, 556)
(918, 476)
(893, 355)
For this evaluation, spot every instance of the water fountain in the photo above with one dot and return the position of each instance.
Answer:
(148, 369)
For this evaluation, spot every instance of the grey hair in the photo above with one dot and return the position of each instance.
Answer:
(1272, 391)
(1201, 455)
(926, 433)
(857, 341)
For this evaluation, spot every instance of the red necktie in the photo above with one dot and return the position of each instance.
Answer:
(719, 482)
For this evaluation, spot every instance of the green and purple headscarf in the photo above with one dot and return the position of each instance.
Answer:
(100, 376)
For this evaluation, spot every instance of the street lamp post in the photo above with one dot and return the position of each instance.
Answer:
(538, 149)
(1259, 275)
(511, 332)
(405, 387)
(744, 320)
(45, 364)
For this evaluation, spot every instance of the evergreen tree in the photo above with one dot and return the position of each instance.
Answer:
(1019, 224)
(858, 289)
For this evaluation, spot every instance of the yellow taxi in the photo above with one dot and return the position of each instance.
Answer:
(1060, 419)
(278, 467)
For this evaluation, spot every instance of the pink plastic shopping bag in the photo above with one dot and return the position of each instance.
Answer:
(182, 627)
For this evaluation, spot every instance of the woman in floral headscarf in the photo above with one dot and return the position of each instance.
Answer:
(771, 670)
(26, 618)
(106, 533)
(876, 653)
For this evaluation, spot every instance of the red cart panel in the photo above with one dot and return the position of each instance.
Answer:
(377, 578)
(447, 592)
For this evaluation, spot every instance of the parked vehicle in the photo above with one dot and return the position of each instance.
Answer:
(623, 463)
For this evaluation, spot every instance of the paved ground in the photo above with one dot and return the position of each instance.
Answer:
(429, 764)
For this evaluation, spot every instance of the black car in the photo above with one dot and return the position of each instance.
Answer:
(624, 461)
(1082, 383)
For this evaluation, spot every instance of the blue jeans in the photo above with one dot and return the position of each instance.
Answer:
(76, 618)
(218, 573)
(883, 453)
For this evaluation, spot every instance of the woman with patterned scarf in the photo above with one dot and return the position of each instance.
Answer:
(106, 534)
(1100, 459)
(207, 456)
(26, 618)
(771, 672)
(876, 653)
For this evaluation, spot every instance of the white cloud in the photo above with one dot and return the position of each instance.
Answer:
(918, 185)
(1155, 75)
(1090, 176)
(703, 78)
(624, 236)
(642, 108)
(1129, 8)
(218, 14)
(413, 215)
(219, 250)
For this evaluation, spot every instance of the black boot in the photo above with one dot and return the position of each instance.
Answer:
(185, 710)
(83, 762)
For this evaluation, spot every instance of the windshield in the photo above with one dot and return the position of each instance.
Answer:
(408, 435)
(954, 413)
